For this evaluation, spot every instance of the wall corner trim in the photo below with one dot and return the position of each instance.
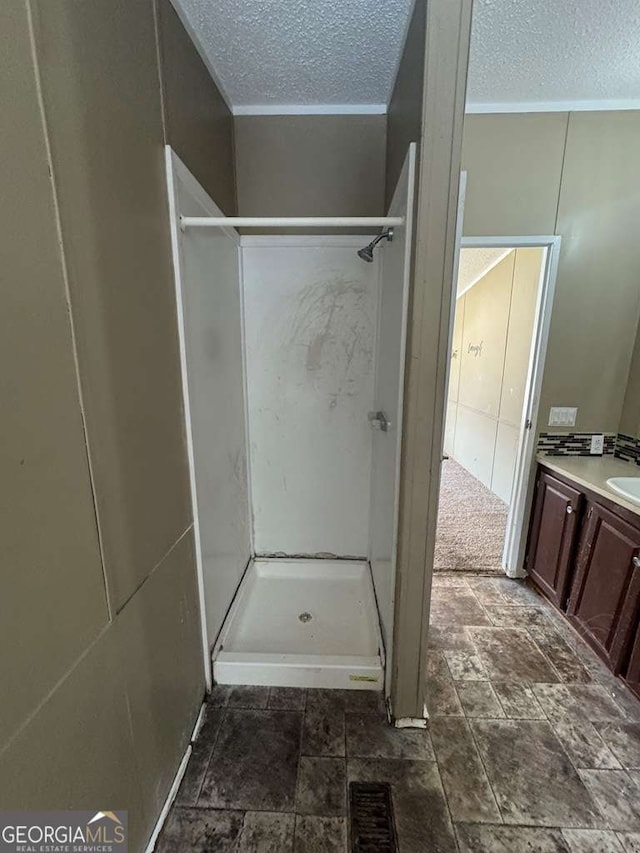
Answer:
(604, 105)
(309, 109)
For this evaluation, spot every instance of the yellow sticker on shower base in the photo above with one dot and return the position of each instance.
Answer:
(372, 678)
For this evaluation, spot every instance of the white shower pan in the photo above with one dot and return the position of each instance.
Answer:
(302, 623)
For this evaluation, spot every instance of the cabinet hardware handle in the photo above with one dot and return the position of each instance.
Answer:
(569, 510)
(636, 562)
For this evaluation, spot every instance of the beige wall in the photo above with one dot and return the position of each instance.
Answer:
(326, 165)
(404, 116)
(199, 125)
(490, 359)
(575, 175)
(630, 420)
(102, 665)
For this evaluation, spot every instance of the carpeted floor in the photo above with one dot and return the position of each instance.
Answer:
(471, 524)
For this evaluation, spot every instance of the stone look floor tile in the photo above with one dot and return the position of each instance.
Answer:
(585, 701)
(320, 834)
(456, 607)
(248, 697)
(219, 696)
(254, 762)
(596, 703)
(509, 654)
(200, 831)
(617, 796)
(323, 732)
(465, 783)
(581, 740)
(287, 699)
(442, 699)
(419, 804)
(267, 832)
(369, 736)
(518, 700)
(565, 662)
(522, 592)
(625, 700)
(488, 591)
(623, 739)
(476, 838)
(321, 787)
(200, 756)
(465, 666)
(479, 700)
(630, 841)
(510, 616)
(531, 775)
(592, 841)
(442, 579)
(441, 638)
(346, 700)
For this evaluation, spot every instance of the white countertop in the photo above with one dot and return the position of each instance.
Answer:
(592, 472)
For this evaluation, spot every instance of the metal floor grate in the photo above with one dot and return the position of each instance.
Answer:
(371, 812)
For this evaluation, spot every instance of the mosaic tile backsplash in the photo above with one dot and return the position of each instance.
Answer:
(573, 443)
(628, 448)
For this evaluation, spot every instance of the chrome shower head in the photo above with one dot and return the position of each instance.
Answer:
(367, 253)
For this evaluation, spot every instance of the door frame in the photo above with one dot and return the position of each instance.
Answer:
(514, 544)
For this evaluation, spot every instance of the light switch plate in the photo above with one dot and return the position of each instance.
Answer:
(597, 444)
(564, 416)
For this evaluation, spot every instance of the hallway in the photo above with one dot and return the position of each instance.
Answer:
(532, 745)
(472, 523)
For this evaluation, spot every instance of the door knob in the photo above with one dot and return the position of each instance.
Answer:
(636, 562)
(569, 510)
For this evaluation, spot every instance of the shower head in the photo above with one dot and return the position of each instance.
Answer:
(367, 253)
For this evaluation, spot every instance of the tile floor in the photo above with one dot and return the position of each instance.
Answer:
(532, 746)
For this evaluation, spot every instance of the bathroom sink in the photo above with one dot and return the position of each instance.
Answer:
(629, 487)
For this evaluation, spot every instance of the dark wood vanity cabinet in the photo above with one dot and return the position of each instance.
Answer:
(604, 602)
(583, 552)
(552, 537)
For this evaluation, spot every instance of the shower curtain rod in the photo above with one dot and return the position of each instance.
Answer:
(290, 221)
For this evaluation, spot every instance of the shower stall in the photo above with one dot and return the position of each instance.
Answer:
(292, 349)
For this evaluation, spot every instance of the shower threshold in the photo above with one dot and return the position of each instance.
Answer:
(302, 623)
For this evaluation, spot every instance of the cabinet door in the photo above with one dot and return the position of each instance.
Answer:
(552, 536)
(605, 595)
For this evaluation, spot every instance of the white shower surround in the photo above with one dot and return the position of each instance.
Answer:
(310, 320)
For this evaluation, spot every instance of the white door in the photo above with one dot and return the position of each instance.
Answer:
(387, 438)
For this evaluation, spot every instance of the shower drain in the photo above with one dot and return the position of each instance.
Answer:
(305, 617)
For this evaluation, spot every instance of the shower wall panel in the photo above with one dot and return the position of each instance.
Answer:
(310, 317)
(212, 313)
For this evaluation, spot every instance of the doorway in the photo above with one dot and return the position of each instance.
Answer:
(503, 295)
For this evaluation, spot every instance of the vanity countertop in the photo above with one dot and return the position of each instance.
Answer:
(592, 472)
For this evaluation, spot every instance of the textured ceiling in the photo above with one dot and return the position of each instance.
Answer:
(474, 263)
(302, 51)
(550, 51)
(532, 54)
